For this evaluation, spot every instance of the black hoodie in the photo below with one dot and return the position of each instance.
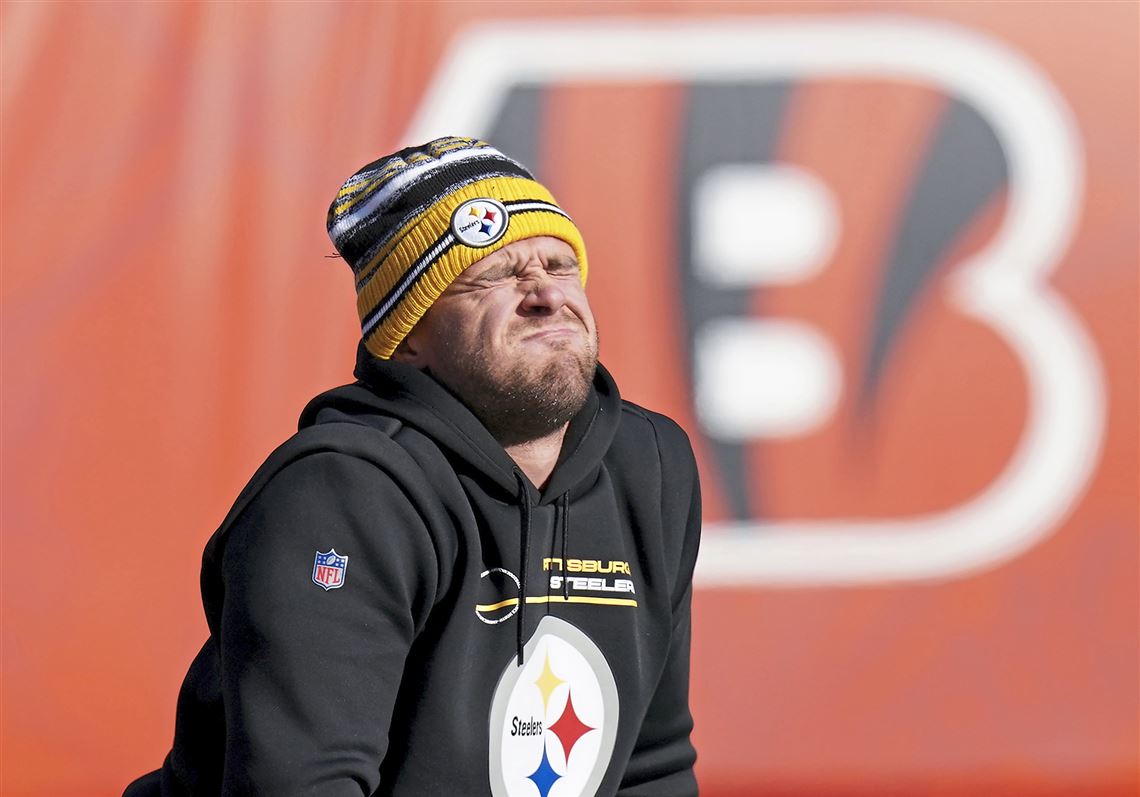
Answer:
(365, 629)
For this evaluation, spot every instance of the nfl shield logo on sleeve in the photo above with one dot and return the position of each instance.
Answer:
(328, 569)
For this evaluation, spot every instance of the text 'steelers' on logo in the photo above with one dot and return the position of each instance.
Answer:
(328, 569)
(479, 222)
(554, 719)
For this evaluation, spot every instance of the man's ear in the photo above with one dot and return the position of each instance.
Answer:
(411, 351)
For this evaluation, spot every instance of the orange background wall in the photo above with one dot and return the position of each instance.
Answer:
(168, 309)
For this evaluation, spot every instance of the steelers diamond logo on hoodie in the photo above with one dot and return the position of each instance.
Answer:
(554, 719)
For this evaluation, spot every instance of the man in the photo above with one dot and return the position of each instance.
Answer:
(470, 571)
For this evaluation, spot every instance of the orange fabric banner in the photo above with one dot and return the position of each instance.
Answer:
(880, 260)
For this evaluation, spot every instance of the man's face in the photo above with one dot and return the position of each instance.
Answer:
(513, 337)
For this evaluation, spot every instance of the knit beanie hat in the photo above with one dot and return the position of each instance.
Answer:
(410, 223)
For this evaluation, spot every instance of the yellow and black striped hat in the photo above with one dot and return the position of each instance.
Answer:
(411, 222)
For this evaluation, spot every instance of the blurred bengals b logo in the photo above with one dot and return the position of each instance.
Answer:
(883, 384)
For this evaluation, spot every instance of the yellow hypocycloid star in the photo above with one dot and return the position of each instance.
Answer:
(547, 681)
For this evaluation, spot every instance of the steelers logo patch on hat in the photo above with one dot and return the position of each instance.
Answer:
(479, 222)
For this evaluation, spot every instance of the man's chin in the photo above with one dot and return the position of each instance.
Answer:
(540, 398)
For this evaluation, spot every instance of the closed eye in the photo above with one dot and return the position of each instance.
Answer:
(562, 266)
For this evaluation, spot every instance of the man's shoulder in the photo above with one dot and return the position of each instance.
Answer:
(645, 425)
(328, 463)
(345, 475)
(339, 440)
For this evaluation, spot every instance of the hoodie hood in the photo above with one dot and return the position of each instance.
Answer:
(386, 389)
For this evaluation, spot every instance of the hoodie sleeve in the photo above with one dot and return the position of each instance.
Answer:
(663, 756)
(310, 675)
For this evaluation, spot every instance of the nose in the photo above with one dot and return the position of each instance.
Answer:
(543, 296)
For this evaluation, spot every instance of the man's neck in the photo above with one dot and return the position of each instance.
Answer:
(536, 458)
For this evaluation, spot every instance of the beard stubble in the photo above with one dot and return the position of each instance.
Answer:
(521, 401)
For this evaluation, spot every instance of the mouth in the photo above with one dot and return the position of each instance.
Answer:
(552, 333)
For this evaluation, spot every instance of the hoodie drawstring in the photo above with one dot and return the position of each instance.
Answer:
(524, 510)
(565, 533)
(524, 555)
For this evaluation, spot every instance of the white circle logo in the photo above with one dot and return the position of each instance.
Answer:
(493, 608)
(554, 719)
(479, 222)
